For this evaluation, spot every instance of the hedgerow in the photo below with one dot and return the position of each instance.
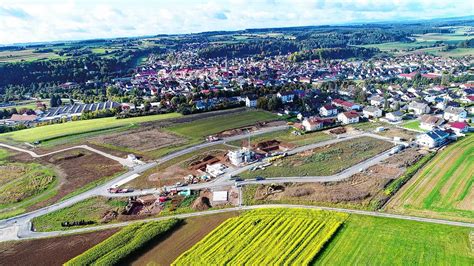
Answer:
(410, 172)
(117, 247)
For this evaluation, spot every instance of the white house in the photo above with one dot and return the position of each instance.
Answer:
(430, 122)
(328, 110)
(455, 114)
(348, 117)
(419, 108)
(377, 100)
(286, 96)
(372, 111)
(251, 101)
(432, 139)
(312, 123)
(394, 116)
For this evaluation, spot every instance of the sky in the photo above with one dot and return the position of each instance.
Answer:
(55, 20)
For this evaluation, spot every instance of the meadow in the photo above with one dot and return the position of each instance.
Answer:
(23, 184)
(266, 237)
(321, 161)
(366, 240)
(202, 128)
(444, 188)
(123, 243)
(75, 128)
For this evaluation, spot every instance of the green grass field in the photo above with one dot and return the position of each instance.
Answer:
(444, 188)
(413, 125)
(266, 237)
(199, 129)
(325, 160)
(75, 128)
(365, 240)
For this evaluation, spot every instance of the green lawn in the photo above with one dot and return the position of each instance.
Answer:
(75, 128)
(414, 125)
(365, 240)
(325, 160)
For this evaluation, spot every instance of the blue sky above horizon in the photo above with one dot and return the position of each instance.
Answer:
(52, 20)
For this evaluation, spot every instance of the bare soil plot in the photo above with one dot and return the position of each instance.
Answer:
(143, 140)
(50, 251)
(76, 169)
(164, 251)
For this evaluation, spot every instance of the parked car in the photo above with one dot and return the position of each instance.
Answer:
(259, 178)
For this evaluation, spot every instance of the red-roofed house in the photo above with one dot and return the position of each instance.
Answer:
(431, 75)
(408, 76)
(348, 117)
(345, 104)
(458, 127)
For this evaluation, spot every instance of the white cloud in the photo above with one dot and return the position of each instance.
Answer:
(45, 20)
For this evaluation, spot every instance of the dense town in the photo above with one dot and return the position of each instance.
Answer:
(411, 87)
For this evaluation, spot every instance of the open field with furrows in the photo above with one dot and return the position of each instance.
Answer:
(174, 170)
(164, 250)
(71, 129)
(327, 160)
(50, 251)
(366, 240)
(126, 242)
(287, 137)
(444, 187)
(267, 237)
(25, 55)
(23, 184)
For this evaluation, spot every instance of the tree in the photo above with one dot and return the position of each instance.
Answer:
(262, 103)
(274, 103)
(147, 106)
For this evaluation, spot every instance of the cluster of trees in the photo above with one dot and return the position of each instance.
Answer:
(272, 103)
(333, 53)
(262, 48)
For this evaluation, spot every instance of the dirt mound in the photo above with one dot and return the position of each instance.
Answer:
(201, 204)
